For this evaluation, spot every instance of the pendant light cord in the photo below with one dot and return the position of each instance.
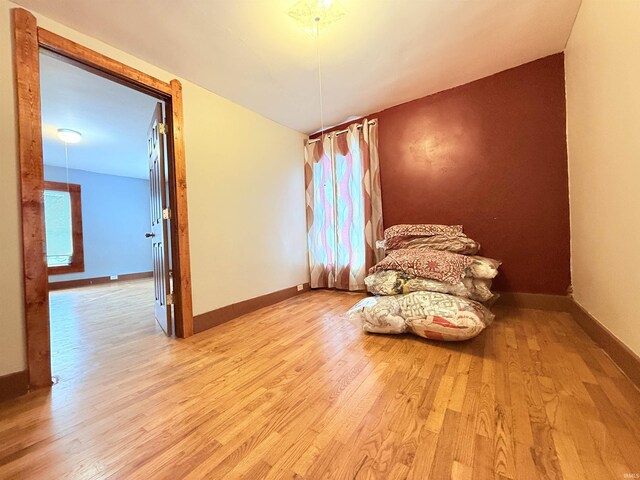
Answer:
(66, 163)
(331, 156)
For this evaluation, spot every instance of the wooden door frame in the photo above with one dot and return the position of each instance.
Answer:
(28, 39)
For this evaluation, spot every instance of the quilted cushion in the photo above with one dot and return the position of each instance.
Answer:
(451, 243)
(421, 230)
(436, 316)
(392, 282)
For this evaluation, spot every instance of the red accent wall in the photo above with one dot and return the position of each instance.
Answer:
(490, 155)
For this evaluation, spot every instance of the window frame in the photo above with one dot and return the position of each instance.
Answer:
(75, 196)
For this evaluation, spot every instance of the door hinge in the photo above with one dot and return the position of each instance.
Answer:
(170, 299)
(166, 214)
(162, 128)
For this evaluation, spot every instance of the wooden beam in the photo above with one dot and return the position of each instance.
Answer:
(36, 292)
(102, 63)
(182, 267)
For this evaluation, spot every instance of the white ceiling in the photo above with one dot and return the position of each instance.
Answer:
(384, 52)
(113, 120)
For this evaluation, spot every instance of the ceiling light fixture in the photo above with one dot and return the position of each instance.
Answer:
(315, 14)
(69, 136)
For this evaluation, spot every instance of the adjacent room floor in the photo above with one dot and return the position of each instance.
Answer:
(296, 391)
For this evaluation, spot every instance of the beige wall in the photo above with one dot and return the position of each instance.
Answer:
(12, 339)
(245, 190)
(603, 116)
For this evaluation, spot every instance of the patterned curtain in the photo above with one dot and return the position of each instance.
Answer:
(344, 207)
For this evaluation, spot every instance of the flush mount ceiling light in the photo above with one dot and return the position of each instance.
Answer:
(315, 14)
(69, 136)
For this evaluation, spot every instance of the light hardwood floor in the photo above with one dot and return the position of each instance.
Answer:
(296, 391)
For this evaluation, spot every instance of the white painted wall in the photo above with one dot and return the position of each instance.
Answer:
(603, 121)
(245, 182)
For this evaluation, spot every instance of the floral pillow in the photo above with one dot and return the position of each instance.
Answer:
(424, 262)
(457, 244)
(421, 230)
(436, 316)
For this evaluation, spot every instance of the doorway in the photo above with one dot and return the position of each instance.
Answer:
(28, 40)
(105, 198)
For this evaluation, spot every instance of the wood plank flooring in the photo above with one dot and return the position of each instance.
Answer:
(296, 391)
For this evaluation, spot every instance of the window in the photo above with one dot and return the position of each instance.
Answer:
(63, 225)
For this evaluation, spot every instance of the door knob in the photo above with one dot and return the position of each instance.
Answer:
(149, 235)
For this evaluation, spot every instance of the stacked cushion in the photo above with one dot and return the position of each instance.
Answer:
(430, 283)
(436, 316)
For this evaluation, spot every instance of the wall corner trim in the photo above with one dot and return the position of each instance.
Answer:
(627, 360)
(537, 301)
(84, 282)
(216, 317)
(13, 385)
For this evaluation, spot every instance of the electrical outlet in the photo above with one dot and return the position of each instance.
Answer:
(300, 287)
(113, 277)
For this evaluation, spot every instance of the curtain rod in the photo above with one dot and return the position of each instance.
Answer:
(359, 125)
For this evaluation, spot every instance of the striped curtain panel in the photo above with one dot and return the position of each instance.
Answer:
(344, 207)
